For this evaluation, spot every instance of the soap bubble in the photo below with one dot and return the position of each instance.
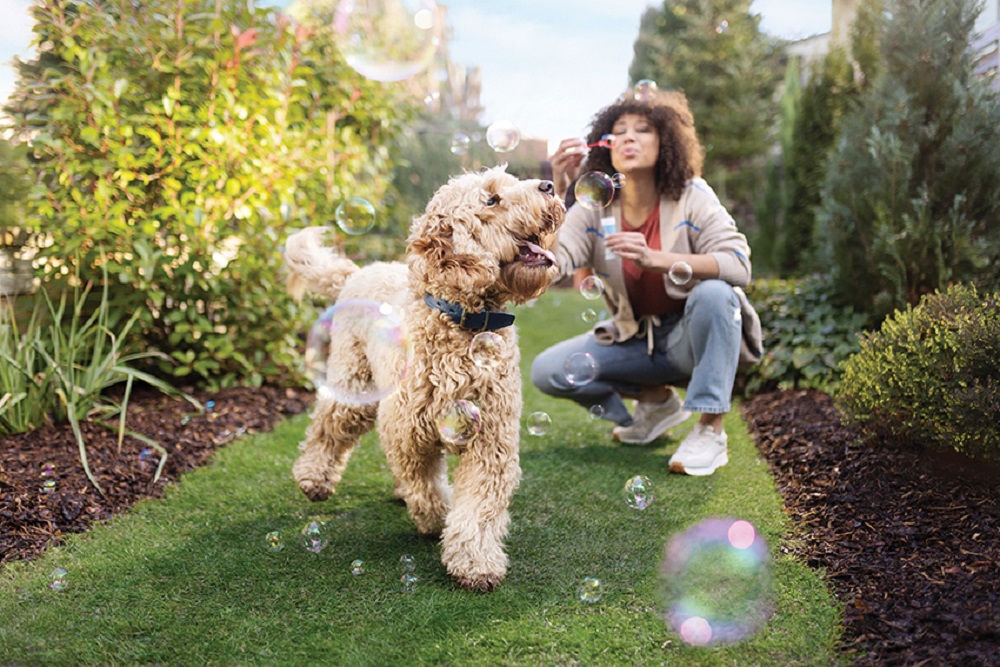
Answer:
(387, 40)
(618, 180)
(273, 541)
(722, 27)
(680, 273)
(48, 469)
(357, 567)
(539, 423)
(589, 315)
(486, 349)
(503, 136)
(645, 90)
(591, 288)
(460, 424)
(146, 455)
(355, 216)
(460, 143)
(580, 368)
(379, 351)
(409, 582)
(48, 486)
(596, 411)
(407, 563)
(314, 536)
(639, 492)
(717, 582)
(57, 579)
(590, 590)
(594, 190)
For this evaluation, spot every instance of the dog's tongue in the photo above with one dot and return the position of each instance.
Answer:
(539, 250)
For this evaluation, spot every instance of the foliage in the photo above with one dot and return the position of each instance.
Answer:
(912, 190)
(714, 51)
(14, 185)
(931, 374)
(186, 137)
(806, 336)
(62, 364)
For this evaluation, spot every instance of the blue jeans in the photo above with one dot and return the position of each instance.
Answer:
(699, 348)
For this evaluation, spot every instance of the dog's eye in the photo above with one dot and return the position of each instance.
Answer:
(493, 200)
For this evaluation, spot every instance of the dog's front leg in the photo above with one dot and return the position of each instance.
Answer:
(472, 544)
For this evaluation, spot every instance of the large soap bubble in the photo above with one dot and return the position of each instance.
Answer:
(387, 40)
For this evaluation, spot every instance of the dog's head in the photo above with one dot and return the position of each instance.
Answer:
(485, 239)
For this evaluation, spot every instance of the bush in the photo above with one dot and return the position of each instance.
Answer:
(931, 375)
(806, 337)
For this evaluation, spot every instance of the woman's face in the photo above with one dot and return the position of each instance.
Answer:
(636, 145)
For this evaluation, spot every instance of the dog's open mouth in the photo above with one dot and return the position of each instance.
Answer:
(530, 253)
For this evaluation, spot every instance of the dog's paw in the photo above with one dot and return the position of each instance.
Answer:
(479, 582)
(315, 492)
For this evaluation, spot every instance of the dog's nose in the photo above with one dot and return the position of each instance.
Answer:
(547, 187)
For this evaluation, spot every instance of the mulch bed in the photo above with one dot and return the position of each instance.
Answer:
(909, 543)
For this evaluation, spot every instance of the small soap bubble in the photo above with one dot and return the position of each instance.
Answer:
(618, 180)
(594, 190)
(580, 368)
(460, 143)
(538, 423)
(591, 288)
(48, 486)
(486, 349)
(48, 469)
(314, 536)
(146, 455)
(596, 411)
(57, 579)
(590, 590)
(387, 40)
(407, 563)
(409, 582)
(722, 27)
(589, 315)
(355, 216)
(461, 424)
(185, 419)
(273, 541)
(717, 582)
(209, 406)
(639, 492)
(357, 567)
(680, 273)
(503, 136)
(645, 90)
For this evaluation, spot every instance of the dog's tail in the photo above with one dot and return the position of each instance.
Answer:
(314, 267)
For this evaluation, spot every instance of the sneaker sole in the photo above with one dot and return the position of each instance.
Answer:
(659, 430)
(719, 461)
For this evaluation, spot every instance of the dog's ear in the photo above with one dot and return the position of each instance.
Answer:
(446, 261)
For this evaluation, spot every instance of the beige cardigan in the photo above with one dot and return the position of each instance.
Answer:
(698, 223)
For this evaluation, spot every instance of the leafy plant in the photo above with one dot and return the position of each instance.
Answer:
(26, 396)
(806, 336)
(931, 374)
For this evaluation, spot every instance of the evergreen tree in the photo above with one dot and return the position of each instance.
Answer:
(714, 51)
(912, 192)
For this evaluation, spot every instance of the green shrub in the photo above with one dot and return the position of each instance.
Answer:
(806, 336)
(931, 375)
(185, 137)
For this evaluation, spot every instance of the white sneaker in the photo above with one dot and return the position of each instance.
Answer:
(651, 420)
(701, 453)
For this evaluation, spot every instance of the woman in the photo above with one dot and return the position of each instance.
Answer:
(663, 331)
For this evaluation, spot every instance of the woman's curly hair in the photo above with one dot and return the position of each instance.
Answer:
(681, 155)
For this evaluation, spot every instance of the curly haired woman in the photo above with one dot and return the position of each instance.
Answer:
(690, 330)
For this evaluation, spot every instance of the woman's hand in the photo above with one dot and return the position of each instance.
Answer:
(632, 246)
(566, 163)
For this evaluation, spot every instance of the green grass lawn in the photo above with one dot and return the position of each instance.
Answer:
(187, 580)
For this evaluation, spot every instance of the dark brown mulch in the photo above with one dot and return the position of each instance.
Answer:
(32, 519)
(909, 541)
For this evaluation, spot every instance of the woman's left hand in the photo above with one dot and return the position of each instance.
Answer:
(632, 246)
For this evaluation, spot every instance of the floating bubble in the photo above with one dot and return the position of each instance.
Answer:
(594, 190)
(274, 542)
(639, 492)
(717, 582)
(357, 567)
(387, 40)
(722, 27)
(589, 315)
(48, 486)
(680, 273)
(618, 180)
(57, 579)
(209, 406)
(379, 351)
(486, 349)
(48, 469)
(538, 423)
(409, 582)
(591, 288)
(146, 455)
(590, 590)
(314, 536)
(460, 424)
(355, 216)
(460, 143)
(606, 141)
(407, 563)
(580, 368)
(596, 411)
(645, 90)
(503, 136)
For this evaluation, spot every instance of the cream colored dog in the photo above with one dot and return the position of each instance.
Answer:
(482, 242)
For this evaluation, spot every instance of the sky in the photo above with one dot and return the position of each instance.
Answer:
(547, 65)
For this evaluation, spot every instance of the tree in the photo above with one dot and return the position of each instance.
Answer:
(912, 192)
(714, 51)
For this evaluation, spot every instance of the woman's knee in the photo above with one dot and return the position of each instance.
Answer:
(544, 372)
(713, 295)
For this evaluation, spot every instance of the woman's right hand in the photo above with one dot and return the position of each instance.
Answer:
(566, 162)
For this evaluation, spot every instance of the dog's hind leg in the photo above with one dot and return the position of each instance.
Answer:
(330, 439)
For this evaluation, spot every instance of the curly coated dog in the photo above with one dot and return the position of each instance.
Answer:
(482, 242)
